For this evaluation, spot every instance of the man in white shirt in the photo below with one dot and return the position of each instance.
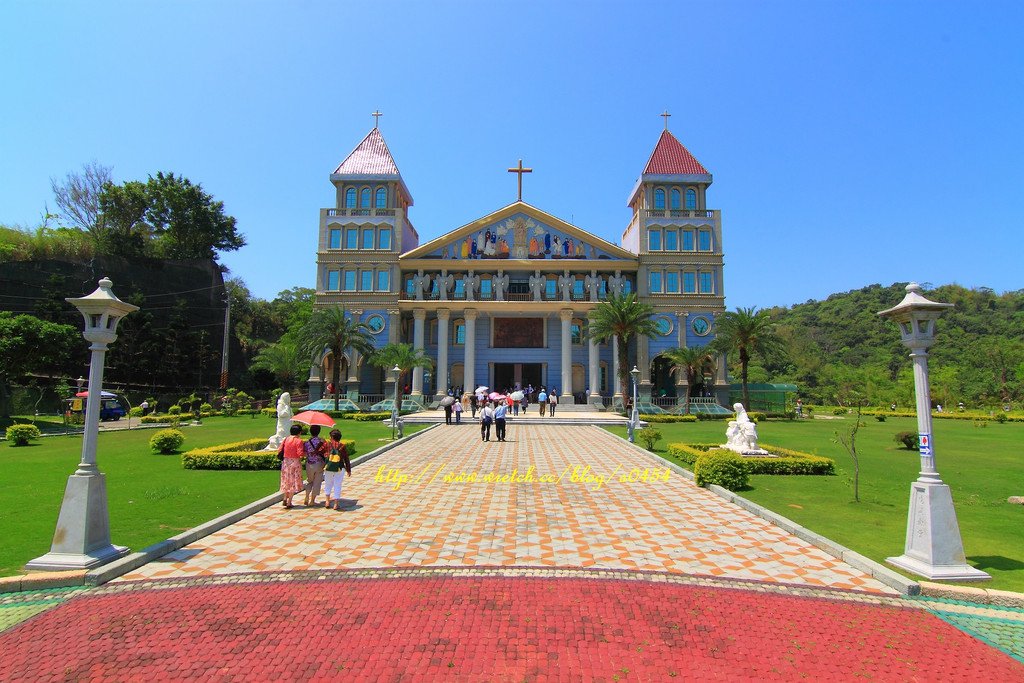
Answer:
(500, 411)
(486, 418)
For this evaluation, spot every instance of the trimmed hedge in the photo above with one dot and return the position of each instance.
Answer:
(725, 468)
(241, 455)
(21, 434)
(788, 462)
(166, 441)
(668, 418)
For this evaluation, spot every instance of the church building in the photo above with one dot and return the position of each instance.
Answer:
(503, 301)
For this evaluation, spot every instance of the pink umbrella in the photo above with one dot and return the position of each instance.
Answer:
(495, 396)
(314, 417)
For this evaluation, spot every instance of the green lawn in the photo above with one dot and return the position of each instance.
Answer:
(150, 496)
(982, 465)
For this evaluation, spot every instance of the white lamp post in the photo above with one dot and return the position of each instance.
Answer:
(82, 537)
(933, 547)
(394, 408)
(634, 416)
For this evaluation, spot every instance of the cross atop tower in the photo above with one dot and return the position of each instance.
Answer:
(520, 170)
(376, 117)
(666, 115)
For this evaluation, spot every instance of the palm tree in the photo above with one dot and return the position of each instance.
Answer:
(329, 328)
(284, 361)
(402, 355)
(747, 331)
(622, 316)
(691, 360)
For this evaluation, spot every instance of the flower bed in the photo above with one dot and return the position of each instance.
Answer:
(787, 462)
(241, 455)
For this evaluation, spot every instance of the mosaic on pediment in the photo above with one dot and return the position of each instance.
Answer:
(519, 237)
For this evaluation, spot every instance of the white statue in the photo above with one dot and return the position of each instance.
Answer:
(741, 435)
(500, 285)
(284, 422)
(420, 282)
(565, 282)
(615, 284)
(537, 285)
(444, 282)
(470, 282)
(593, 282)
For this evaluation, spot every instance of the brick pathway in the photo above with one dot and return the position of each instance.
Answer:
(658, 525)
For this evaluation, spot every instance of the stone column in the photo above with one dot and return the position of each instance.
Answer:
(594, 368)
(566, 315)
(469, 365)
(616, 384)
(419, 315)
(442, 353)
(643, 364)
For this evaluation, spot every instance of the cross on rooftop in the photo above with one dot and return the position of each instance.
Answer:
(376, 117)
(520, 170)
(666, 115)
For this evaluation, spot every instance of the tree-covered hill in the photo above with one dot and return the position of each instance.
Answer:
(841, 345)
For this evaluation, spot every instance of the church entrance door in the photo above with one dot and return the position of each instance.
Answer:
(508, 374)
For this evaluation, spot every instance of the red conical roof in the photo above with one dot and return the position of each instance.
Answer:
(671, 158)
(370, 157)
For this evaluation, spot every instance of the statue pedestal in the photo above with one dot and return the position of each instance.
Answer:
(933, 548)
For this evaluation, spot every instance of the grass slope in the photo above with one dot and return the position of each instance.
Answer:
(150, 496)
(982, 465)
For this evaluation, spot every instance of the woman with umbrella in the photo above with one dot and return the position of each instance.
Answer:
(316, 452)
(447, 403)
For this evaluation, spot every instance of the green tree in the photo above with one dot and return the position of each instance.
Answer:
(331, 329)
(747, 331)
(29, 346)
(622, 316)
(691, 361)
(284, 361)
(404, 356)
(122, 229)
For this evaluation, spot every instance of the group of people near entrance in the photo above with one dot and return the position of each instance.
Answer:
(327, 462)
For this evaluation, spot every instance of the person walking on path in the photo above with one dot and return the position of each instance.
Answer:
(552, 402)
(542, 401)
(457, 409)
(473, 404)
(334, 475)
(447, 413)
(486, 417)
(292, 450)
(500, 411)
(316, 458)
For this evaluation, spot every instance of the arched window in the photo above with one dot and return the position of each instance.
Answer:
(659, 199)
(364, 198)
(675, 199)
(382, 198)
(691, 198)
(350, 198)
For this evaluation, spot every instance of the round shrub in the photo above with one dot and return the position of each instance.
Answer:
(174, 410)
(908, 440)
(135, 412)
(725, 468)
(167, 441)
(650, 436)
(20, 435)
(840, 411)
(206, 408)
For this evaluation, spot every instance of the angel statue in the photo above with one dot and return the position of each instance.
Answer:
(470, 282)
(284, 422)
(500, 285)
(593, 283)
(537, 285)
(565, 282)
(444, 283)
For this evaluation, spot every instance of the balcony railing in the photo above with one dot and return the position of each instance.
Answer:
(360, 212)
(681, 213)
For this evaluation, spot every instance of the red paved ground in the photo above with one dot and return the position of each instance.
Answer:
(488, 629)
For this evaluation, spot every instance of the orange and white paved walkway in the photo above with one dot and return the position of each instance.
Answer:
(419, 505)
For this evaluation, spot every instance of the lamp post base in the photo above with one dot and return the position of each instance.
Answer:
(933, 548)
(82, 537)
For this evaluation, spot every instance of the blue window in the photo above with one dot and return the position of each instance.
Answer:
(576, 331)
(688, 240)
(549, 288)
(350, 280)
(460, 331)
(382, 197)
(707, 285)
(604, 378)
(333, 280)
(366, 280)
(364, 198)
(602, 289)
(351, 238)
(485, 288)
(460, 289)
(577, 288)
(410, 288)
(675, 198)
(384, 238)
(350, 198)
(383, 280)
(655, 277)
(691, 198)
(654, 240)
(672, 282)
(705, 240)
(689, 283)
(659, 199)
(627, 286)
(367, 238)
(334, 240)
(671, 240)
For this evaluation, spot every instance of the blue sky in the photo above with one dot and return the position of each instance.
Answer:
(850, 142)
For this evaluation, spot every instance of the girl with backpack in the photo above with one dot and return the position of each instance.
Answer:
(334, 475)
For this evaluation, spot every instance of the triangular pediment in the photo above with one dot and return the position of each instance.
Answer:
(519, 231)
